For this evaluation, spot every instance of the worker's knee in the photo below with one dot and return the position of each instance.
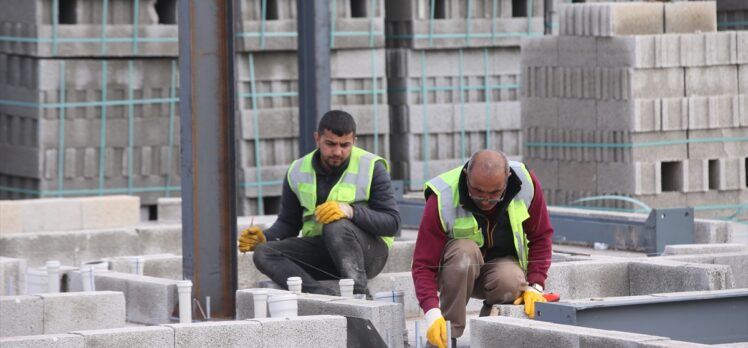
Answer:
(261, 255)
(337, 227)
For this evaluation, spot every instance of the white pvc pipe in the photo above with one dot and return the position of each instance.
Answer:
(346, 288)
(137, 264)
(294, 284)
(260, 298)
(184, 287)
(207, 307)
(53, 276)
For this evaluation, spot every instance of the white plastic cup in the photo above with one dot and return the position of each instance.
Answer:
(53, 276)
(346, 288)
(260, 298)
(294, 284)
(137, 265)
(87, 278)
(184, 287)
(283, 306)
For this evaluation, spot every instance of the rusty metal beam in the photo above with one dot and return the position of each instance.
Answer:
(207, 110)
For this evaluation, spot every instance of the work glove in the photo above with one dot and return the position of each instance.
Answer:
(529, 296)
(437, 332)
(333, 211)
(250, 237)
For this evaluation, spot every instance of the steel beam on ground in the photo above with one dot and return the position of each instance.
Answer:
(713, 317)
(314, 68)
(208, 106)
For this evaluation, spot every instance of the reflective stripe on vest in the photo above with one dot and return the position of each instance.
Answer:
(354, 186)
(459, 223)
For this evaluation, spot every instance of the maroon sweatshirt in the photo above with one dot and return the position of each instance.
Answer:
(432, 239)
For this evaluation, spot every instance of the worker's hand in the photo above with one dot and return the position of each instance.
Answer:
(437, 333)
(333, 211)
(249, 239)
(529, 297)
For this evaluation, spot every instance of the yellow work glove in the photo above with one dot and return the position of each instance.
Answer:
(437, 333)
(332, 211)
(249, 239)
(529, 297)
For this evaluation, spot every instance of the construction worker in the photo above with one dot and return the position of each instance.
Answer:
(485, 233)
(341, 198)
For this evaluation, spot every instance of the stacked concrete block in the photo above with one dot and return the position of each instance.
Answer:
(584, 279)
(88, 28)
(223, 334)
(353, 25)
(652, 277)
(458, 24)
(636, 99)
(732, 15)
(168, 266)
(446, 104)
(150, 336)
(65, 312)
(21, 316)
(69, 136)
(323, 330)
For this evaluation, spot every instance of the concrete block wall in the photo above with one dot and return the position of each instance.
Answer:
(61, 313)
(34, 31)
(354, 25)
(12, 276)
(651, 90)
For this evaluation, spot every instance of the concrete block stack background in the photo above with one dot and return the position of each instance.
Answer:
(732, 15)
(89, 102)
(453, 76)
(267, 86)
(638, 99)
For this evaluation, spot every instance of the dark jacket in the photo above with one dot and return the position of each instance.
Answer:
(380, 216)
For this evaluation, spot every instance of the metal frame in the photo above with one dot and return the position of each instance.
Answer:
(708, 317)
(207, 111)
(314, 68)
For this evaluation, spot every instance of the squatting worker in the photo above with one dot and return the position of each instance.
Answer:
(341, 198)
(485, 233)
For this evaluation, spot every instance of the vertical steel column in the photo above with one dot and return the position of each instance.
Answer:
(207, 104)
(314, 67)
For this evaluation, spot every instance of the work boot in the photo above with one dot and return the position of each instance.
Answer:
(485, 310)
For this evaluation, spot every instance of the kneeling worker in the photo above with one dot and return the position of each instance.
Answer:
(485, 233)
(341, 198)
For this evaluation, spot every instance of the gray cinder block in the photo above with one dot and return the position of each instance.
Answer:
(43, 341)
(154, 265)
(712, 80)
(400, 257)
(586, 279)
(663, 276)
(110, 211)
(150, 336)
(65, 312)
(695, 249)
(399, 281)
(21, 316)
(169, 209)
(691, 17)
(221, 334)
(323, 330)
(660, 83)
(12, 276)
(156, 239)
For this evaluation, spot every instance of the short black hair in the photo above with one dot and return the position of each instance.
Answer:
(338, 122)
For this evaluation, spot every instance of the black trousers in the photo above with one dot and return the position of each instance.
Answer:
(342, 251)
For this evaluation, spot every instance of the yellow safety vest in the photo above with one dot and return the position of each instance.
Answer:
(354, 186)
(459, 223)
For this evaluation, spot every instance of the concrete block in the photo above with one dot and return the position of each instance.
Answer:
(581, 176)
(220, 333)
(627, 51)
(632, 18)
(400, 257)
(697, 249)
(539, 51)
(713, 112)
(21, 316)
(663, 153)
(323, 330)
(65, 312)
(577, 51)
(11, 220)
(157, 239)
(663, 276)
(169, 209)
(660, 83)
(674, 114)
(743, 78)
(167, 266)
(51, 215)
(12, 276)
(577, 114)
(691, 17)
(110, 211)
(486, 331)
(710, 231)
(540, 112)
(126, 337)
(742, 47)
(738, 262)
(586, 279)
(712, 80)
(249, 275)
(43, 341)
(725, 145)
(638, 115)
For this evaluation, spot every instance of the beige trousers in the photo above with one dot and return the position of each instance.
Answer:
(463, 274)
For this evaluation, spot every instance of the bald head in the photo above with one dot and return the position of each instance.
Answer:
(488, 163)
